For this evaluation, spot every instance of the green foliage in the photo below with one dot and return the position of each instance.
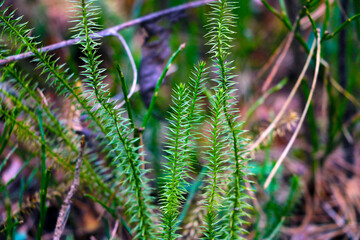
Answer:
(176, 170)
(221, 22)
(119, 130)
(184, 116)
(116, 170)
(215, 167)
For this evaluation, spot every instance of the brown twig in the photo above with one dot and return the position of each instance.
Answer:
(65, 208)
(110, 31)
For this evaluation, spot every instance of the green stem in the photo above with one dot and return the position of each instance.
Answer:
(261, 99)
(45, 177)
(341, 27)
(9, 221)
(326, 18)
(287, 24)
(313, 24)
(126, 98)
(5, 136)
(158, 84)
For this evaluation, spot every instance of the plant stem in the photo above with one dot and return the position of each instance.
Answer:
(341, 27)
(126, 98)
(65, 208)
(45, 177)
(158, 84)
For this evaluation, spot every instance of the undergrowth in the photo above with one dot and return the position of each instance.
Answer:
(115, 173)
(84, 138)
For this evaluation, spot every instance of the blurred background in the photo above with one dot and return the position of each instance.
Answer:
(314, 195)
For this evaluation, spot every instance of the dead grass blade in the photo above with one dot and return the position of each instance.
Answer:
(278, 117)
(302, 118)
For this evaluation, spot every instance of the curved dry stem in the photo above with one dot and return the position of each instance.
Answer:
(287, 149)
(287, 102)
(133, 66)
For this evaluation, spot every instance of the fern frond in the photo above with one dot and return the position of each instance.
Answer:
(85, 18)
(52, 125)
(220, 24)
(57, 75)
(236, 195)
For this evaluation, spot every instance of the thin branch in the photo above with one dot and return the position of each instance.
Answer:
(110, 31)
(341, 27)
(133, 66)
(126, 98)
(2, 165)
(312, 90)
(65, 208)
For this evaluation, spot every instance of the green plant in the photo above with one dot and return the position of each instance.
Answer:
(118, 172)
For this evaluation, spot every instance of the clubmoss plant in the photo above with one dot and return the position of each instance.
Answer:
(115, 173)
(224, 109)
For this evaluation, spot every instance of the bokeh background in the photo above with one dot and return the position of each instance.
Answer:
(314, 195)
